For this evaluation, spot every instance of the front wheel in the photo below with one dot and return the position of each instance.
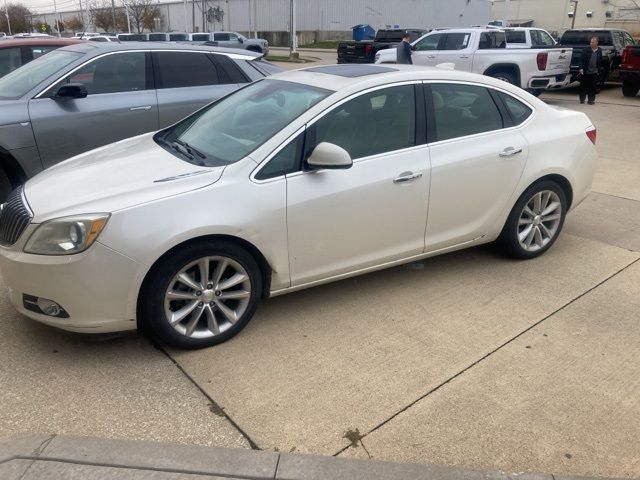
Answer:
(505, 77)
(200, 295)
(535, 221)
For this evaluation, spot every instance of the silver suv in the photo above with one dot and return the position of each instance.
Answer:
(87, 95)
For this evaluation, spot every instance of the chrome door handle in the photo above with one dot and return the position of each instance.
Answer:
(464, 56)
(146, 107)
(431, 56)
(510, 152)
(407, 177)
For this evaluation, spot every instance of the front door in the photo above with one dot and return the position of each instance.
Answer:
(376, 211)
(121, 103)
(426, 50)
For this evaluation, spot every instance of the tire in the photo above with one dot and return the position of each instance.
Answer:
(512, 239)
(255, 49)
(5, 186)
(536, 92)
(209, 319)
(630, 89)
(505, 77)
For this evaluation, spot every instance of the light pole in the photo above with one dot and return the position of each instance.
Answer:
(55, 10)
(575, 10)
(113, 16)
(6, 12)
(292, 27)
(126, 10)
(505, 16)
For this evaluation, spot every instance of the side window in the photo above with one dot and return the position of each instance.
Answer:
(628, 39)
(490, 40)
(372, 123)
(200, 37)
(545, 39)
(185, 69)
(233, 37)
(10, 59)
(519, 111)
(456, 41)
(222, 37)
(37, 52)
(462, 110)
(285, 161)
(122, 72)
(429, 43)
(517, 36)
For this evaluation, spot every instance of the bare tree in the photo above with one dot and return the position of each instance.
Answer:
(101, 15)
(19, 16)
(75, 24)
(143, 13)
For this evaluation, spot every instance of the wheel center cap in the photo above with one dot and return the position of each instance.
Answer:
(208, 295)
(537, 220)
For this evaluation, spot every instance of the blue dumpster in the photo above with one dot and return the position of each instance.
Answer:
(363, 32)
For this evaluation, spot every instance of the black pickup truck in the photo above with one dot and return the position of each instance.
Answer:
(612, 42)
(365, 51)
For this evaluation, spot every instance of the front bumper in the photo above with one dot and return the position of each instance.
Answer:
(549, 82)
(94, 287)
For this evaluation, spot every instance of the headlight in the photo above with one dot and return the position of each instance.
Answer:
(67, 235)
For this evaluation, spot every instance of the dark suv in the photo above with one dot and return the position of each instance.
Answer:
(612, 41)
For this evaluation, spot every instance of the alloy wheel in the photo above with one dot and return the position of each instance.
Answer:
(207, 297)
(539, 220)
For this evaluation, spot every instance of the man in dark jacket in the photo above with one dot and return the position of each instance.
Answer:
(403, 50)
(590, 70)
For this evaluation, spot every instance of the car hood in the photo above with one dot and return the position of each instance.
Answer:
(110, 178)
(13, 111)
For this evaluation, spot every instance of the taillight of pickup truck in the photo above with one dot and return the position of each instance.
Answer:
(542, 59)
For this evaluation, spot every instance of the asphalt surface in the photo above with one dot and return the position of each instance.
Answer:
(467, 359)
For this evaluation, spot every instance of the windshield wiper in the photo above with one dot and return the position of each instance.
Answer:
(185, 151)
(189, 148)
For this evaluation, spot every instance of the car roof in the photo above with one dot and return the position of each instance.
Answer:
(96, 48)
(339, 77)
(20, 42)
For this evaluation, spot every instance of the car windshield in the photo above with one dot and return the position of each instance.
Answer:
(230, 129)
(583, 37)
(20, 81)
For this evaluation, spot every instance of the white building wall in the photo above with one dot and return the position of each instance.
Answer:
(553, 14)
(317, 15)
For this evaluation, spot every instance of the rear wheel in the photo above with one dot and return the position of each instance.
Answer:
(535, 222)
(505, 76)
(200, 295)
(536, 92)
(630, 88)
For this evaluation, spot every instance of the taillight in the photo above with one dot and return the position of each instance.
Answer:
(542, 60)
(625, 55)
(591, 133)
(367, 49)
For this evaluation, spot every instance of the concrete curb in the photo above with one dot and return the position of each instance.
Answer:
(31, 457)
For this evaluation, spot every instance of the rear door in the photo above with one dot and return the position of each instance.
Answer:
(187, 80)
(457, 49)
(426, 50)
(121, 103)
(477, 158)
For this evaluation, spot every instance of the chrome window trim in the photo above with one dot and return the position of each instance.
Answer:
(71, 72)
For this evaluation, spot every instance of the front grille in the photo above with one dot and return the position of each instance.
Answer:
(14, 218)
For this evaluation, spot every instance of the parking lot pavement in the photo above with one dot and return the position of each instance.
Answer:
(55, 382)
(426, 362)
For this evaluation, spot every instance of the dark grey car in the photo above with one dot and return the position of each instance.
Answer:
(84, 96)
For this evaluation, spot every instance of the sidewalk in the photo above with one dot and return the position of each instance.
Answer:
(40, 457)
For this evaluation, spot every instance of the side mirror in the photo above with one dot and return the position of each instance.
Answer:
(241, 40)
(329, 156)
(71, 90)
(413, 47)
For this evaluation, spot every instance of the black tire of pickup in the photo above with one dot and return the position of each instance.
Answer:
(505, 77)
(630, 88)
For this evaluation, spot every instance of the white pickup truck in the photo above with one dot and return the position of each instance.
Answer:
(483, 50)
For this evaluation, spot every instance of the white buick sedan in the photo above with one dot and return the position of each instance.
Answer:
(303, 178)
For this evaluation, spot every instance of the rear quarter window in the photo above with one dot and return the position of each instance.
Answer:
(518, 111)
